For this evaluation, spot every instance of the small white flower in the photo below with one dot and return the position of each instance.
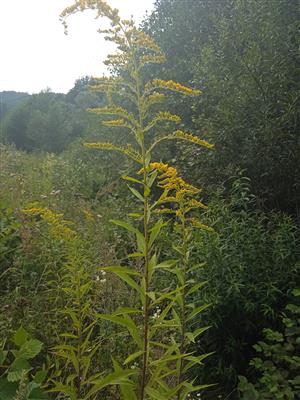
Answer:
(102, 280)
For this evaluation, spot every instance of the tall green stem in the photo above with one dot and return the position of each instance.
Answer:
(185, 260)
(144, 369)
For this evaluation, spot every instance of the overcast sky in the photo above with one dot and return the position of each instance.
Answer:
(35, 53)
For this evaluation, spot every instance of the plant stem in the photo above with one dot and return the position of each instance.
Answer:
(183, 308)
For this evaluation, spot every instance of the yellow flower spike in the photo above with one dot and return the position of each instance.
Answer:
(193, 203)
(58, 226)
(159, 166)
(193, 139)
(197, 224)
(114, 122)
(164, 211)
(173, 86)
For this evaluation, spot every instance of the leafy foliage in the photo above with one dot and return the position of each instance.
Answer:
(277, 361)
(17, 380)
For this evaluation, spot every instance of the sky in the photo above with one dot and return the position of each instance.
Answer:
(36, 54)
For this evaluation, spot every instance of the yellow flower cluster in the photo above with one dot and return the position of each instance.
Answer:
(193, 203)
(155, 98)
(102, 7)
(183, 195)
(191, 138)
(114, 122)
(165, 115)
(171, 85)
(119, 111)
(58, 226)
(169, 180)
(152, 59)
(128, 151)
(143, 40)
(197, 224)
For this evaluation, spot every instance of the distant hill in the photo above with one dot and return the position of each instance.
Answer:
(10, 99)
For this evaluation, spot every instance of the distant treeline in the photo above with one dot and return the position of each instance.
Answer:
(46, 121)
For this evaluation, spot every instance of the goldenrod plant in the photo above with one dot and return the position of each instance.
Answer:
(73, 375)
(157, 367)
(178, 199)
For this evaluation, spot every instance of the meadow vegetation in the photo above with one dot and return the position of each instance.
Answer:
(149, 220)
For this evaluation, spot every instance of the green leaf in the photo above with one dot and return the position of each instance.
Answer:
(3, 355)
(19, 367)
(193, 360)
(141, 243)
(126, 310)
(125, 225)
(30, 349)
(20, 337)
(7, 389)
(127, 390)
(115, 378)
(155, 231)
(124, 276)
(152, 178)
(40, 376)
(167, 264)
(133, 356)
(197, 311)
(196, 287)
(147, 158)
(127, 322)
(135, 254)
(119, 269)
(193, 335)
(129, 178)
(167, 359)
(136, 194)
(135, 215)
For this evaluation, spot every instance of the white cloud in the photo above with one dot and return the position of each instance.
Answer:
(36, 54)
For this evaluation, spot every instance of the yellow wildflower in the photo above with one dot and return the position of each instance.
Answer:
(171, 85)
(197, 224)
(191, 138)
(58, 226)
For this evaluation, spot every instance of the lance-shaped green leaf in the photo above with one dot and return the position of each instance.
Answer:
(133, 356)
(191, 336)
(115, 378)
(124, 274)
(169, 359)
(141, 243)
(197, 311)
(155, 230)
(126, 310)
(125, 225)
(195, 267)
(166, 265)
(196, 287)
(129, 178)
(136, 193)
(168, 295)
(127, 389)
(127, 322)
(193, 360)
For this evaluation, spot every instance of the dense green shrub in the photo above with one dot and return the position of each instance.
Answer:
(251, 265)
(278, 359)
